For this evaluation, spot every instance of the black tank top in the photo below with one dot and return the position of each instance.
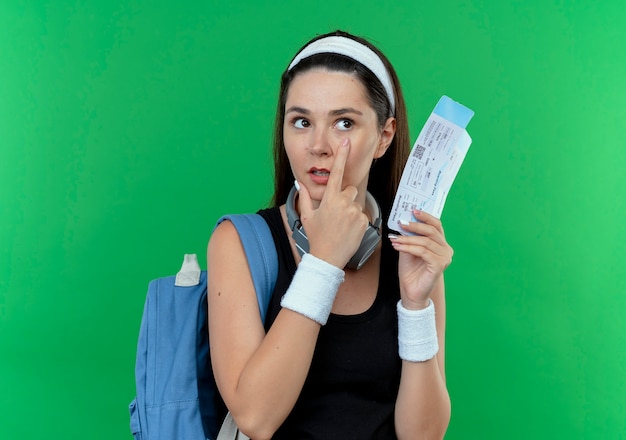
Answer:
(352, 385)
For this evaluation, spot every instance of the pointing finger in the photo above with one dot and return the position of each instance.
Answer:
(335, 181)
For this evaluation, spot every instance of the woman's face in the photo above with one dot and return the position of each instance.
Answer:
(322, 109)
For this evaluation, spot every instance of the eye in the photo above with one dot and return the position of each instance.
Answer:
(344, 124)
(301, 123)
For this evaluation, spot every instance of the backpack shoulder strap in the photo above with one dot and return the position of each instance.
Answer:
(260, 249)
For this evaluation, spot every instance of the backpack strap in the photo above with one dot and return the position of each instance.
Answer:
(260, 249)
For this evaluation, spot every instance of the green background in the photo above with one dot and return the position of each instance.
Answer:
(128, 127)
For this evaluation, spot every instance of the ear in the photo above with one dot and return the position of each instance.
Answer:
(386, 136)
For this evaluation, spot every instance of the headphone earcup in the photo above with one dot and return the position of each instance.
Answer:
(368, 245)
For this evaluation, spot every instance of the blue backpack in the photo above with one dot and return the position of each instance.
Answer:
(177, 398)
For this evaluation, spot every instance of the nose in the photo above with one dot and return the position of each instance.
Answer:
(319, 143)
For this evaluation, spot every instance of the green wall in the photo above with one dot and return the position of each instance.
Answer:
(128, 127)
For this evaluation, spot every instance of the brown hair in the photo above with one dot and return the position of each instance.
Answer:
(385, 172)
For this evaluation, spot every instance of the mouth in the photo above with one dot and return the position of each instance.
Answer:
(319, 172)
(319, 176)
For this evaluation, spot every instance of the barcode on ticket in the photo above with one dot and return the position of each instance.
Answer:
(418, 152)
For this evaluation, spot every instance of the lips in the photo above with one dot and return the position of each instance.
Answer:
(319, 175)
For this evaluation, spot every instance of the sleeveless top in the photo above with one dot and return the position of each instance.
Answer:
(353, 382)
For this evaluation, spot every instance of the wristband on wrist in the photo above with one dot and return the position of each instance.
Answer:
(313, 289)
(417, 333)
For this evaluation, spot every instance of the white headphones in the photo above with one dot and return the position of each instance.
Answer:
(368, 244)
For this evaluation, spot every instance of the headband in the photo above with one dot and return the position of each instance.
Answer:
(352, 49)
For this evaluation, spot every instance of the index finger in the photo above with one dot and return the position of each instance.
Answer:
(425, 217)
(335, 180)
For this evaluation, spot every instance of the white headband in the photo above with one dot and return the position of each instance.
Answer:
(352, 49)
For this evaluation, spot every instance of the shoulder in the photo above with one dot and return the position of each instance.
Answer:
(227, 265)
(224, 232)
(224, 243)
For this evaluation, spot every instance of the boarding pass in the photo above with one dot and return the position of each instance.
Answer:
(433, 164)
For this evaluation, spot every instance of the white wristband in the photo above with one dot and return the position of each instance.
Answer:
(417, 333)
(313, 289)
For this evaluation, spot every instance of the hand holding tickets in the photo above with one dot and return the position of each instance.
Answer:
(433, 163)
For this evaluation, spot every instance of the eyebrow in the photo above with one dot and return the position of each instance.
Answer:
(343, 111)
(338, 112)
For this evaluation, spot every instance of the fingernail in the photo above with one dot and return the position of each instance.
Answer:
(392, 236)
(297, 185)
(404, 222)
(344, 143)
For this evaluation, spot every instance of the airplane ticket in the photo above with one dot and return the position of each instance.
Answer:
(433, 164)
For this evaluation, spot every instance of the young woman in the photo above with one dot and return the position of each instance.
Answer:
(351, 348)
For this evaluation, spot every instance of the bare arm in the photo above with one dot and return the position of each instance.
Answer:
(259, 376)
(423, 403)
